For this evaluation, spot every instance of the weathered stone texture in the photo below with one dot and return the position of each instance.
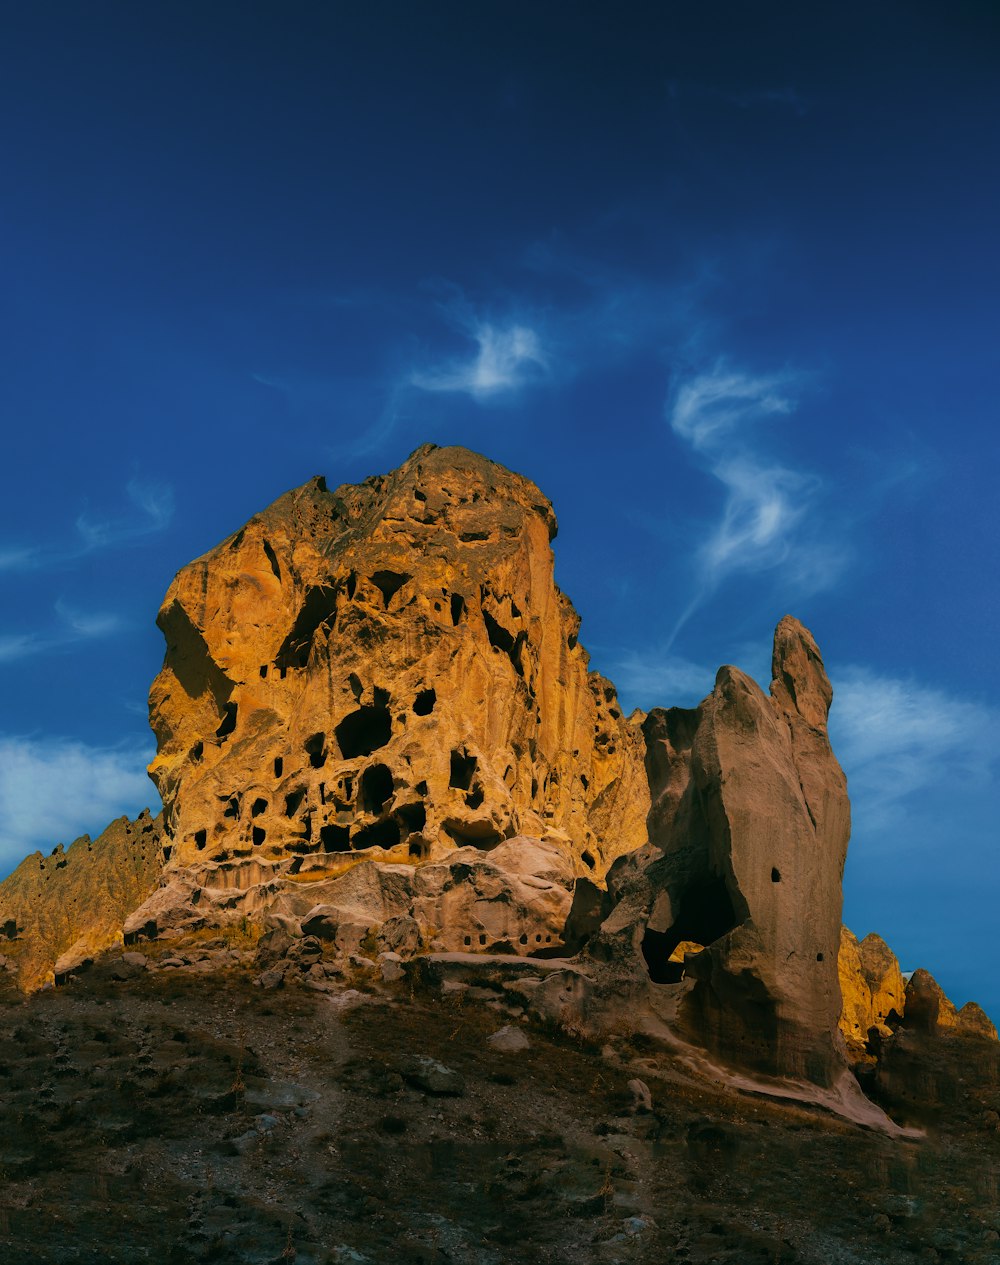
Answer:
(872, 986)
(389, 672)
(750, 821)
(72, 903)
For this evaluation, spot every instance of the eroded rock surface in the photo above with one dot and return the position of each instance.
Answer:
(384, 672)
(749, 826)
(872, 986)
(378, 740)
(60, 909)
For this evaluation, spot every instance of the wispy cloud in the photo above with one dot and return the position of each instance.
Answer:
(17, 558)
(55, 790)
(87, 624)
(763, 523)
(506, 358)
(660, 679)
(900, 740)
(155, 505)
(73, 626)
(152, 510)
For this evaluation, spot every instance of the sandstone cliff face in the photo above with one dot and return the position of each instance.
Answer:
(872, 986)
(750, 822)
(384, 673)
(73, 902)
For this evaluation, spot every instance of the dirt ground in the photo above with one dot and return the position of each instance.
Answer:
(193, 1117)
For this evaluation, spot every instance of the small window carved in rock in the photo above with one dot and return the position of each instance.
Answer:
(259, 834)
(364, 731)
(413, 817)
(200, 839)
(775, 874)
(388, 584)
(423, 704)
(315, 748)
(380, 834)
(463, 768)
(335, 838)
(375, 788)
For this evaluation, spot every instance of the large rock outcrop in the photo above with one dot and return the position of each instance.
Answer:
(376, 727)
(872, 987)
(72, 904)
(748, 830)
(386, 672)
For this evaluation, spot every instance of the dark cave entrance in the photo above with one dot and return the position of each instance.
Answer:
(364, 731)
(706, 914)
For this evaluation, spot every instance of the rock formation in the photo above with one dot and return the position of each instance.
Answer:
(72, 903)
(377, 734)
(748, 833)
(385, 673)
(872, 986)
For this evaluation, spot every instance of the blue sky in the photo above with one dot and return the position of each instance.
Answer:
(721, 278)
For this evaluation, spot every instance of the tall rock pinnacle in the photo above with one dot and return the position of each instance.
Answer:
(751, 818)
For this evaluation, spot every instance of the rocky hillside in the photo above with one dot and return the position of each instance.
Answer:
(58, 910)
(377, 733)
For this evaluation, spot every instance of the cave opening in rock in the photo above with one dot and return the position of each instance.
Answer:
(473, 835)
(364, 731)
(457, 603)
(228, 723)
(259, 834)
(258, 806)
(413, 817)
(475, 797)
(200, 839)
(463, 769)
(388, 584)
(775, 874)
(272, 558)
(335, 838)
(374, 788)
(705, 913)
(423, 704)
(232, 808)
(315, 749)
(263, 671)
(279, 766)
(198, 750)
(319, 610)
(380, 834)
(294, 800)
(498, 635)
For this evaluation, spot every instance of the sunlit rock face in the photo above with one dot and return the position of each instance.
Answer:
(59, 910)
(872, 985)
(387, 672)
(748, 834)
